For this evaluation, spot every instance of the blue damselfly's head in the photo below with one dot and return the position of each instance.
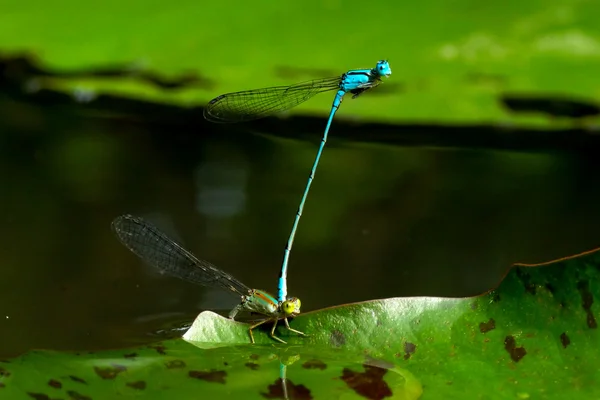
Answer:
(291, 307)
(383, 68)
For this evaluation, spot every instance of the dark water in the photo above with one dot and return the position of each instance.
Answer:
(382, 220)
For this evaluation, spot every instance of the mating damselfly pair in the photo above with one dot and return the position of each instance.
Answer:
(157, 249)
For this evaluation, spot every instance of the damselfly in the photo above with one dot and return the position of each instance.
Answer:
(253, 104)
(162, 252)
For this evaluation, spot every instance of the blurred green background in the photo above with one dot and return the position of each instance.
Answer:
(451, 59)
(479, 151)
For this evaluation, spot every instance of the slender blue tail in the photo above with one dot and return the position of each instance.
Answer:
(282, 284)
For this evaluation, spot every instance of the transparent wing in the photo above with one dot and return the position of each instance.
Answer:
(254, 104)
(160, 251)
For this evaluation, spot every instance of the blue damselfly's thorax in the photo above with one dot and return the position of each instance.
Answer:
(357, 81)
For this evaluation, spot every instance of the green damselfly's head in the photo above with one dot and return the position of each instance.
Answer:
(383, 68)
(290, 307)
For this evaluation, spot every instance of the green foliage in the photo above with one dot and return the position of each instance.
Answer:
(532, 337)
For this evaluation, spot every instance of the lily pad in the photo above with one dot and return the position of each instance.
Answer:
(534, 336)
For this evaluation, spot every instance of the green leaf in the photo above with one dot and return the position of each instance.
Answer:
(534, 337)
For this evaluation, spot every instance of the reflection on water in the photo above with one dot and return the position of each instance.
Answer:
(380, 221)
(176, 369)
(220, 193)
